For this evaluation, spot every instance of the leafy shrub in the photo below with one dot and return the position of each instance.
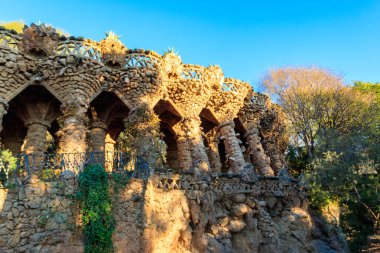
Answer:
(97, 218)
(8, 164)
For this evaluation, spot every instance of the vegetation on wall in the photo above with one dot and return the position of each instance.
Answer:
(95, 199)
(17, 26)
(7, 166)
(142, 137)
(335, 133)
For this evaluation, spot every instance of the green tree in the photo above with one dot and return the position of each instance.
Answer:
(98, 222)
(335, 132)
(318, 106)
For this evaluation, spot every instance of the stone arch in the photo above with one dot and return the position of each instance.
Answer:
(33, 111)
(116, 93)
(169, 116)
(107, 112)
(26, 85)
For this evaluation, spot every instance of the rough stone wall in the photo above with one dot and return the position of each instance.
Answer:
(178, 213)
(129, 215)
(40, 217)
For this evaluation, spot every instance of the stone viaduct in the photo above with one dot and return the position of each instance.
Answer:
(81, 92)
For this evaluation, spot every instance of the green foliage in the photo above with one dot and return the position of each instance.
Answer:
(297, 160)
(113, 36)
(142, 137)
(367, 87)
(96, 205)
(17, 26)
(171, 50)
(353, 181)
(119, 181)
(318, 197)
(8, 165)
(335, 145)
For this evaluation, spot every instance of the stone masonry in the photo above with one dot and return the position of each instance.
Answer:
(75, 74)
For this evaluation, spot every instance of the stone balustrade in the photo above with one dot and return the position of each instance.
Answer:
(80, 48)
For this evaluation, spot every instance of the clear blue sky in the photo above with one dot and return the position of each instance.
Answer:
(246, 38)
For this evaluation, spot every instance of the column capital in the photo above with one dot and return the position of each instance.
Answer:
(30, 122)
(98, 124)
(190, 118)
(226, 123)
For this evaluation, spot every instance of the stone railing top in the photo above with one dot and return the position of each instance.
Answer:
(135, 58)
(192, 72)
(140, 58)
(79, 47)
(234, 85)
(48, 166)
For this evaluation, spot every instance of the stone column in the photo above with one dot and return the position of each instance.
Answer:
(192, 128)
(35, 140)
(72, 135)
(109, 152)
(260, 160)
(97, 136)
(213, 152)
(73, 129)
(3, 111)
(184, 154)
(233, 151)
(143, 125)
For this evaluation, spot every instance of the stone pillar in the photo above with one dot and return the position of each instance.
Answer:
(192, 128)
(3, 111)
(234, 154)
(35, 140)
(97, 136)
(260, 160)
(73, 129)
(213, 152)
(72, 135)
(109, 152)
(184, 154)
(110, 144)
(144, 128)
